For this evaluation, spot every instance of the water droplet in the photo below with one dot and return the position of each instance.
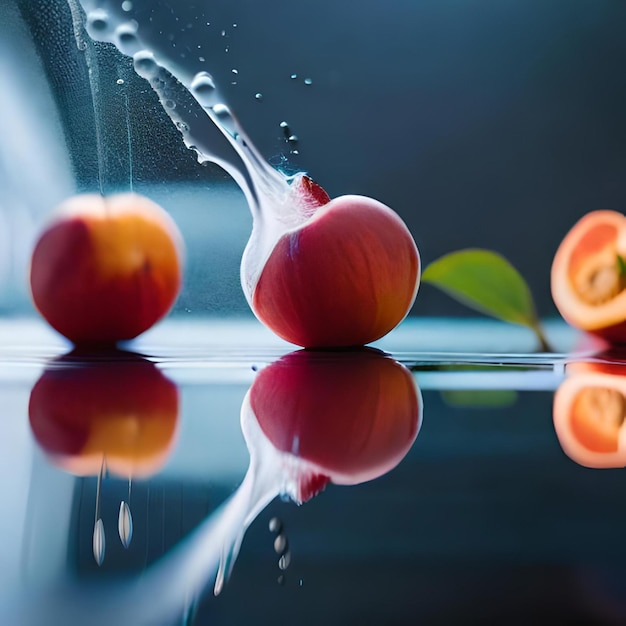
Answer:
(293, 76)
(293, 139)
(120, 81)
(308, 81)
(254, 368)
(222, 111)
(223, 33)
(99, 542)
(234, 71)
(284, 561)
(125, 524)
(127, 5)
(294, 151)
(97, 22)
(234, 25)
(144, 63)
(226, 49)
(281, 580)
(275, 524)
(258, 96)
(203, 88)
(280, 544)
(201, 59)
(301, 582)
(126, 38)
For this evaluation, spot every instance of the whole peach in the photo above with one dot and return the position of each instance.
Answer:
(106, 269)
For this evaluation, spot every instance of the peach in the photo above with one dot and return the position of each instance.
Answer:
(342, 272)
(106, 269)
(589, 411)
(347, 417)
(588, 277)
(117, 408)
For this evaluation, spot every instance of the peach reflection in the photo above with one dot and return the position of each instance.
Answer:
(113, 407)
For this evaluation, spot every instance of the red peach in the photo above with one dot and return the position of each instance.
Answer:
(106, 269)
(346, 275)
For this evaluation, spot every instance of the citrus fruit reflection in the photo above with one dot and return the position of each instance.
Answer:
(589, 411)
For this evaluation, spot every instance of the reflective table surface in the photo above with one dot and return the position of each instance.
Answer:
(209, 473)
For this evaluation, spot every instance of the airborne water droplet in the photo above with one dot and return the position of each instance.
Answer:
(126, 38)
(280, 544)
(125, 524)
(120, 81)
(258, 96)
(284, 561)
(97, 21)
(308, 81)
(293, 139)
(98, 541)
(127, 5)
(203, 88)
(293, 76)
(145, 64)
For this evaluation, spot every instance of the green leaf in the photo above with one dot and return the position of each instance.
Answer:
(621, 265)
(486, 282)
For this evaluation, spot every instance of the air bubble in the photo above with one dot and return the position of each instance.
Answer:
(127, 5)
(182, 127)
(144, 63)
(120, 81)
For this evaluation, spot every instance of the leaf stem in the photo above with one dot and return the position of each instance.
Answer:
(544, 344)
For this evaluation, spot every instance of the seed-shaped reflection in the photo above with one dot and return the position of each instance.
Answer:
(112, 412)
(589, 412)
(311, 418)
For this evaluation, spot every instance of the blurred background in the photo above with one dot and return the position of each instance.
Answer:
(483, 123)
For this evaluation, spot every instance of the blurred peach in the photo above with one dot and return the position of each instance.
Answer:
(106, 269)
(115, 407)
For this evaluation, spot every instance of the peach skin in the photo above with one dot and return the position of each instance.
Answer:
(106, 269)
(335, 273)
